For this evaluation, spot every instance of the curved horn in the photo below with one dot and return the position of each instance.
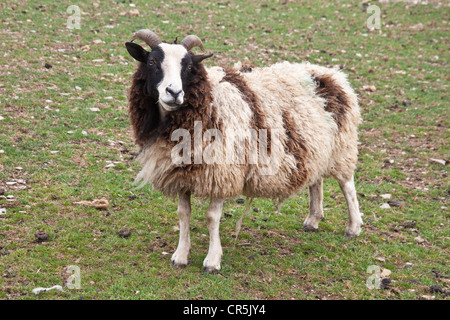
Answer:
(192, 41)
(149, 37)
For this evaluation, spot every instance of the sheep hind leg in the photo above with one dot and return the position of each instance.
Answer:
(315, 207)
(354, 226)
(180, 257)
(211, 264)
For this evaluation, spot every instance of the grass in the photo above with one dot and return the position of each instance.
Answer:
(56, 150)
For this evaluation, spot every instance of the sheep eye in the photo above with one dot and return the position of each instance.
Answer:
(152, 62)
(189, 66)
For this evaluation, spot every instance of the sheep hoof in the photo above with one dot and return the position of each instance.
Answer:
(210, 270)
(351, 233)
(308, 228)
(177, 264)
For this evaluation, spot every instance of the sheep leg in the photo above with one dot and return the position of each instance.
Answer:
(180, 257)
(354, 227)
(211, 264)
(315, 207)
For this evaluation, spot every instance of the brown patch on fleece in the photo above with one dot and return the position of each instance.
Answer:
(258, 118)
(296, 146)
(197, 106)
(335, 96)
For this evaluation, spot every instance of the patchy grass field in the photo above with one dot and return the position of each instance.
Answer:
(65, 138)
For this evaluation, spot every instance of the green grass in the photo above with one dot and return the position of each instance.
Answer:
(63, 148)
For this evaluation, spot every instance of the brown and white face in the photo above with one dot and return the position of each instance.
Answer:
(169, 67)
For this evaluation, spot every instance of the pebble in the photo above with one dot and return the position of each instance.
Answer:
(41, 236)
(395, 203)
(436, 289)
(125, 233)
(386, 273)
(386, 196)
(419, 239)
(385, 206)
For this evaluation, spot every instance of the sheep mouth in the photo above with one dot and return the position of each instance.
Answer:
(170, 106)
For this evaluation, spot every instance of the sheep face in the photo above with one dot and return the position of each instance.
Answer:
(169, 67)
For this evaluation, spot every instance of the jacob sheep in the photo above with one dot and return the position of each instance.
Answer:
(306, 117)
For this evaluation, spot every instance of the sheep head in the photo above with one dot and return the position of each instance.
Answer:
(167, 66)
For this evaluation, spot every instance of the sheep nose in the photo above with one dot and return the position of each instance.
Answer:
(173, 93)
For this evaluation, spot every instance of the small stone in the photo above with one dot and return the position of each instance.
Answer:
(386, 273)
(408, 265)
(134, 13)
(419, 239)
(410, 224)
(2, 211)
(385, 283)
(395, 203)
(385, 206)
(41, 236)
(125, 233)
(386, 196)
(427, 297)
(436, 289)
(370, 88)
(406, 103)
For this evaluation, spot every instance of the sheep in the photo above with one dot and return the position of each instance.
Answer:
(304, 118)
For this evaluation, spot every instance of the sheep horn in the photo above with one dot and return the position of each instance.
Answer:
(192, 41)
(149, 37)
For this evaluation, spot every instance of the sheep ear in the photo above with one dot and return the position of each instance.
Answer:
(196, 59)
(137, 52)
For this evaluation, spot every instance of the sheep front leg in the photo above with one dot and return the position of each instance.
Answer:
(180, 257)
(315, 207)
(211, 264)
